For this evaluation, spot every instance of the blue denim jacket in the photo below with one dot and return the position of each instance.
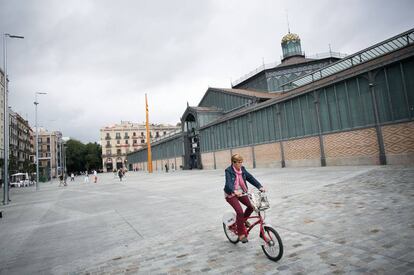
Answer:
(231, 178)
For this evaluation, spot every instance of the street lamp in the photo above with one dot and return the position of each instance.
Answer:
(37, 139)
(6, 120)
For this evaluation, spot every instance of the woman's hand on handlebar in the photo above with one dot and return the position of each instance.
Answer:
(238, 193)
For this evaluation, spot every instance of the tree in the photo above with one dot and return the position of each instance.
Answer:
(93, 156)
(29, 167)
(75, 151)
(81, 157)
(13, 164)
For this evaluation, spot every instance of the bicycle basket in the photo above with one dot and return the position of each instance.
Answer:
(260, 201)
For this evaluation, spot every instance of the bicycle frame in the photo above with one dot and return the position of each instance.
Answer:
(260, 222)
(272, 245)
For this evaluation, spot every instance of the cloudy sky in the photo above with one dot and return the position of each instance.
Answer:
(96, 59)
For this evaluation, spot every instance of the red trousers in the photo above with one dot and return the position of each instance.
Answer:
(240, 216)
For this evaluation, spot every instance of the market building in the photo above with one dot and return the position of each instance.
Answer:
(356, 109)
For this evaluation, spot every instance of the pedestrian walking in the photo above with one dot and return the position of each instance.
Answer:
(86, 179)
(95, 176)
(166, 168)
(120, 174)
(72, 177)
(61, 180)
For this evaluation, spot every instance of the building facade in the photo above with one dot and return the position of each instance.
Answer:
(21, 144)
(120, 139)
(50, 154)
(356, 110)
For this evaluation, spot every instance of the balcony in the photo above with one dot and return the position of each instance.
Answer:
(108, 146)
(108, 138)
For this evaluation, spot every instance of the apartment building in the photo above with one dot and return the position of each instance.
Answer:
(50, 153)
(120, 139)
(21, 142)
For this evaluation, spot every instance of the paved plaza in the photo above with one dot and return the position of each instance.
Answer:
(332, 220)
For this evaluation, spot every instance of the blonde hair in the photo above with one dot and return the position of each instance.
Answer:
(236, 158)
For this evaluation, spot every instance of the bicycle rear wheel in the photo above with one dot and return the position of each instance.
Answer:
(273, 248)
(230, 234)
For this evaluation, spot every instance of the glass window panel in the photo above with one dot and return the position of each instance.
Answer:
(290, 119)
(365, 57)
(397, 92)
(399, 43)
(339, 66)
(382, 49)
(241, 131)
(333, 110)
(342, 105)
(377, 51)
(307, 128)
(355, 103)
(285, 132)
(312, 112)
(231, 135)
(324, 112)
(258, 126)
(356, 60)
(388, 47)
(408, 67)
(297, 117)
(366, 101)
(225, 135)
(272, 124)
(246, 129)
(265, 121)
(382, 96)
(239, 138)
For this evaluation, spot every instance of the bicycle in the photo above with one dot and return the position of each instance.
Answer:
(272, 243)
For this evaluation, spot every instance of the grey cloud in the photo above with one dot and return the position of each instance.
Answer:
(97, 59)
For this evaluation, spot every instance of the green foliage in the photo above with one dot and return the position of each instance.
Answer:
(81, 157)
(13, 164)
(29, 167)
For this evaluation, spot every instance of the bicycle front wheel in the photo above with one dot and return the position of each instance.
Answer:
(230, 234)
(273, 248)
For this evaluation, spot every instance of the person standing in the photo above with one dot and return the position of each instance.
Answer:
(95, 176)
(166, 168)
(61, 179)
(86, 180)
(72, 177)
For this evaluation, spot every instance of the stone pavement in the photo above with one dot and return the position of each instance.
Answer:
(332, 220)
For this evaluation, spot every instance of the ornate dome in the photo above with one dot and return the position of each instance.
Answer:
(290, 37)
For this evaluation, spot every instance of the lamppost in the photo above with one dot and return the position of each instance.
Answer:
(6, 120)
(37, 139)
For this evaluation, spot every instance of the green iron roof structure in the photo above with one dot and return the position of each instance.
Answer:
(397, 42)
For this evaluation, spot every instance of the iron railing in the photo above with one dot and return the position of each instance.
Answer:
(275, 64)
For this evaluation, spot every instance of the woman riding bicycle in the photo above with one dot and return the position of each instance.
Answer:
(236, 176)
